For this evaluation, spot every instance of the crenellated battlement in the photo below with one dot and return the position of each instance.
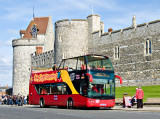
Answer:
(27, 42)
(144, 25)
(69, 22)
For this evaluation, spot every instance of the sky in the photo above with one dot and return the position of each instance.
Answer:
(15, 15)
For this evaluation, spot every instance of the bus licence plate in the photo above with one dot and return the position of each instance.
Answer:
(102, 104)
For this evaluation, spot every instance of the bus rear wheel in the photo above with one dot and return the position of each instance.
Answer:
(70, 104)
(42, 105)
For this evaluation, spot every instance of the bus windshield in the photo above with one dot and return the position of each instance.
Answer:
(102, 91)
(98, 63)
(103, 84)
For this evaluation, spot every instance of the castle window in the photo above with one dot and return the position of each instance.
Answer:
(116, 52)
(36, 63)
(148, 47)
(64, 56)
(59, 38)
(44, 62)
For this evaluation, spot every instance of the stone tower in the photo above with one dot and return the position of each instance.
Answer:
(94, 25)
(38, 36)
(75, 37)
(71, 38)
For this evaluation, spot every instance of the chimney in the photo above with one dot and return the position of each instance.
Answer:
(134, 22)
(110, 30)
(22, 32)
(39, 50)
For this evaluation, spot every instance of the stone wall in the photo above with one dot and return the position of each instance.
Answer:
(45, 60)
(135, 67)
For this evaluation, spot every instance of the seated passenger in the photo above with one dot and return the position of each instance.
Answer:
(83, 67)
(66, 68)
(44, 91)
(103, 68)
(101, 89)
(95, 88)
(84, 90)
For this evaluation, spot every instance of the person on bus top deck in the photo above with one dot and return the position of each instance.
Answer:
(83, 67)
(54, 67)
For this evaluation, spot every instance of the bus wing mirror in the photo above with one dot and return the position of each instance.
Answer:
(90, 77)
(120, 78)
(58, 75)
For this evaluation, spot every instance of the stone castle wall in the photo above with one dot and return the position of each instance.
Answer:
(45, 60)
(135, 67)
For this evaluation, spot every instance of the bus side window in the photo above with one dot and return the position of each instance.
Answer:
(54, 89)
(59, 87)
(64, 89)
(37, 87)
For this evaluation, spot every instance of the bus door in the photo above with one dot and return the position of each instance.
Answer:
(31, 96)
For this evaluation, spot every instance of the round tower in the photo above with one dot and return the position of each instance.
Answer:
(71, 38)
(94, 25)
(21, 65)
(38, 35)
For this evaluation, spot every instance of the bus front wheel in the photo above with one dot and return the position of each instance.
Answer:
(42, 105)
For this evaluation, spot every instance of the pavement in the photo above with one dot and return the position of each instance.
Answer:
(150, 108)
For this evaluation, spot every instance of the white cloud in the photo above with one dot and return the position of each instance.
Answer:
(13, 31)
(5, 61)
(9, 42)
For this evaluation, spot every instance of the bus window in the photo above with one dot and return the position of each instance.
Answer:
(70, 64)
(37, 88)
(81, 64)
(64, 91)
(56, 88)
(99, 63)
(44, 89)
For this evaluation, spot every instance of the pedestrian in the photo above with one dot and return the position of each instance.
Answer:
(25, 100)
(0, 100)
(139, 96)
(134, 99)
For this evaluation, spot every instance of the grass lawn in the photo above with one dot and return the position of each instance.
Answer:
(149, 91)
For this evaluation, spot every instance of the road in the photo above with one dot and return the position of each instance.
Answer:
(34, 112)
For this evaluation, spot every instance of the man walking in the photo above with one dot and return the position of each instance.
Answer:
(139, 96)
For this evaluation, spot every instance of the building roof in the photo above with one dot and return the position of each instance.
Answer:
(40, 22)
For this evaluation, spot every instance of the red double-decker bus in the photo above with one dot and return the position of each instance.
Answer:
(84, 81)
